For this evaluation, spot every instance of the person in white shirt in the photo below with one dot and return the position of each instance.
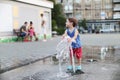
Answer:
(43, 25)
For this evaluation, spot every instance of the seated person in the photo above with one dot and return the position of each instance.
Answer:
(23, 30)
(31, 31)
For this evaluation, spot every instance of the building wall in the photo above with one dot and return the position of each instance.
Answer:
(94, 10)
(89, 9)
(116, 9)
(22, 12)
(6, 18)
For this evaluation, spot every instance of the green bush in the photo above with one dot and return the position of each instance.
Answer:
(60, 30)
(83, 24)
(60, 20)
(54, 25)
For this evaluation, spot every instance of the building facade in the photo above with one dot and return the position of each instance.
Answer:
(116, 9)
(13, 14)
(88, 9)
(100, 14)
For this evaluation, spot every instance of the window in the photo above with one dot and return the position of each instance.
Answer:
(77, 6)
(88, 1)
(108, 1)
(61, 1)
(108, 6)
(88, 14)
(70, 1)
(97, 6)
(88, 6)
(97, 0)
(78, 15)
(117, 6)
(77, 1)
(68, 7)
(97, 15)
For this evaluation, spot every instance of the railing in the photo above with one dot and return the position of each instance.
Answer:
(117, 7)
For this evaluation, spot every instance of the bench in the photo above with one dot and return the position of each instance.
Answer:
(18, 34)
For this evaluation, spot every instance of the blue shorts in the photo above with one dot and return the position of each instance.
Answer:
(23, 34)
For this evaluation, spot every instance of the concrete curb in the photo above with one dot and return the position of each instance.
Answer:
(23, 64)
(8, 39)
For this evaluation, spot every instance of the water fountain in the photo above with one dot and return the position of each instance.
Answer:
(63, 49)
(103, 52)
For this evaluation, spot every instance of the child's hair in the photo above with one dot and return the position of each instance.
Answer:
(25, 22)
(73, 20)
(41, 14)
(31, 22)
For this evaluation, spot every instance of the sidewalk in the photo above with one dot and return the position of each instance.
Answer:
(20, 53)
(17, 54)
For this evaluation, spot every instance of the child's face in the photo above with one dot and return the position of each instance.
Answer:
(26, 24)
(68, 23)
(30, 24)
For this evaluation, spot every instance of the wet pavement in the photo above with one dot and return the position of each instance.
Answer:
(19, 53)
(16, 59)
(107, 69)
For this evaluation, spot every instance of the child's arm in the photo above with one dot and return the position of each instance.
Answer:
(65, 34)
(76, 34)
(43, 22)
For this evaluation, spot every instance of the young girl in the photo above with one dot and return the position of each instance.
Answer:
(31, 31)
(73, 33)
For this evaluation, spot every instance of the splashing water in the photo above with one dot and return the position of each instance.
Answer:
(63, 49)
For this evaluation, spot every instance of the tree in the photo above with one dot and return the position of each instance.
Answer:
(83, 24)
(58, 17)
(57, 14)
(52, 1)
(54, 25)
(60, 21)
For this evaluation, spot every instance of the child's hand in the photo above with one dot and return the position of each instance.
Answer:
(63, 37)
(69, 40)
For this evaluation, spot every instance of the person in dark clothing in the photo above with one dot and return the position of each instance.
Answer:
(23, 30)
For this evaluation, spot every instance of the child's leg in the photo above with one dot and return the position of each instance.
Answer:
(79, 57)
(79, 67)
(45, 36)
(30, 38)
(79, 64)
(34, 35)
